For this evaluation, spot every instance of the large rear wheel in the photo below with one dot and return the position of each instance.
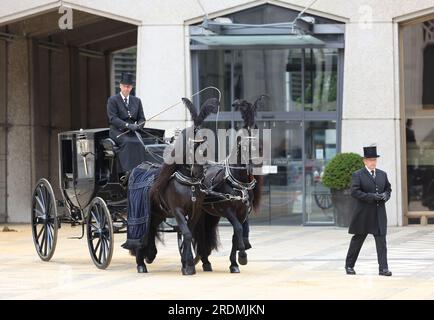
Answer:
(44, 220)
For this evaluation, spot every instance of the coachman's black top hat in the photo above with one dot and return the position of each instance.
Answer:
(370, 152)
(127, 78)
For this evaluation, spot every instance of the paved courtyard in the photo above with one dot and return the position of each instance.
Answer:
(285, 263)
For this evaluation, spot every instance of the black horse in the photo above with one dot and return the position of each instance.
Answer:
(232, 192)
(176, 192)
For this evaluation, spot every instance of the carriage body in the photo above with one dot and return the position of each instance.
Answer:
(88, 165)
(92, 191)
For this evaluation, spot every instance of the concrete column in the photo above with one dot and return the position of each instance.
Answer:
(19, 144)
(3, 68)
(161, 77)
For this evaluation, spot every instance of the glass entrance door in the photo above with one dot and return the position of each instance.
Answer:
(320, 147)
(282, 198)
(293, 193)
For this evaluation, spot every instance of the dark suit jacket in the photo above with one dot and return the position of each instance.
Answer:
(118, 113)
(369, 215)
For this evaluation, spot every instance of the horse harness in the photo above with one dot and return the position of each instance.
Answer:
(238, 186)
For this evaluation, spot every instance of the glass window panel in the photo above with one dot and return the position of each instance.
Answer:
(286, 185)
(320, 89)
(124, 61)
(215, 70)
(420, 164)
(320, 147)
(276, 73)
(418, 68)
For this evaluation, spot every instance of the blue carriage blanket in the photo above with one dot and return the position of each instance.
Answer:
(139, 206)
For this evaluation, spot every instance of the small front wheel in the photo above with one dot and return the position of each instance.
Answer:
(99, 227)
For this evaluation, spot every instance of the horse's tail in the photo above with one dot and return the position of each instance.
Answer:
(257, 191)
(206, 235)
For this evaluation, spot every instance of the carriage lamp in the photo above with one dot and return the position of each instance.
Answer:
(83, 149)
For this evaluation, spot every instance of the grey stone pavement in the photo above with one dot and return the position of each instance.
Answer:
(284, 263)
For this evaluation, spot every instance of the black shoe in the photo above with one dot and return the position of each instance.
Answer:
(350, 270)
(385, 272)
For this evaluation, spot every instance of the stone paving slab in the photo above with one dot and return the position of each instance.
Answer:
(285, 263)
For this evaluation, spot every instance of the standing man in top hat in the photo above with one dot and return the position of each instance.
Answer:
(125, 113)
(371, 189)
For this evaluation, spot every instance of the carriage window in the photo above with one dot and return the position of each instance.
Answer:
(67, 156)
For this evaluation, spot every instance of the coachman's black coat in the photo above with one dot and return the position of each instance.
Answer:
(369, 215)
(132, 152)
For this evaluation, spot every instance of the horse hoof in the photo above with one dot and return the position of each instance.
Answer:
(188, 271)
(242, 258)
(234, 269)
(149, 261)
(207, 267)
(142, 269)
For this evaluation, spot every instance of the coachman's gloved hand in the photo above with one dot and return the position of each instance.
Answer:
(133, 126)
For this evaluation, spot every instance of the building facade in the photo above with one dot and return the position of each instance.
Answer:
(357, 72)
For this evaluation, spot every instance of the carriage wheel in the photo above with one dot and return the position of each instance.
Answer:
(44, 220)
(99, 227)
(323, 200)
(196, 257)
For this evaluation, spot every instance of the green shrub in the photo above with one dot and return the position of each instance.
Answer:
(338, 172)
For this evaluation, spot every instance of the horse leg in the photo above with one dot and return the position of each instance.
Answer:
(151, 248)
(140, 260)
(238, 229)
(206, 265)
(242, 255)
(187, 255)
(233, 257)
(151, 251)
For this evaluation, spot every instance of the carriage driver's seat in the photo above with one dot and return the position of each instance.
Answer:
(110, 147)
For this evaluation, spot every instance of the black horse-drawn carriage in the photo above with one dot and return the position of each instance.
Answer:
(93, 193)
(196, 194)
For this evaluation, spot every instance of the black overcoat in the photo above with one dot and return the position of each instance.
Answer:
(369, 215)
(131, 151)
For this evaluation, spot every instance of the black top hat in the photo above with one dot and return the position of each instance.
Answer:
(127, 78)
(370, 152)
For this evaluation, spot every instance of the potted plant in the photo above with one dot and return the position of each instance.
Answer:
(337, 177)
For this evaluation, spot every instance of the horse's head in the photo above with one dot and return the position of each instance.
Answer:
(248, 142)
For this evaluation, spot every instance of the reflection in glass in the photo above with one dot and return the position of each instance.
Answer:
(420, 164)
(215, 70)
(279, 74)
(320, 90)
(418, 54)
(286, 186)
(276, 73)
(320, 147)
